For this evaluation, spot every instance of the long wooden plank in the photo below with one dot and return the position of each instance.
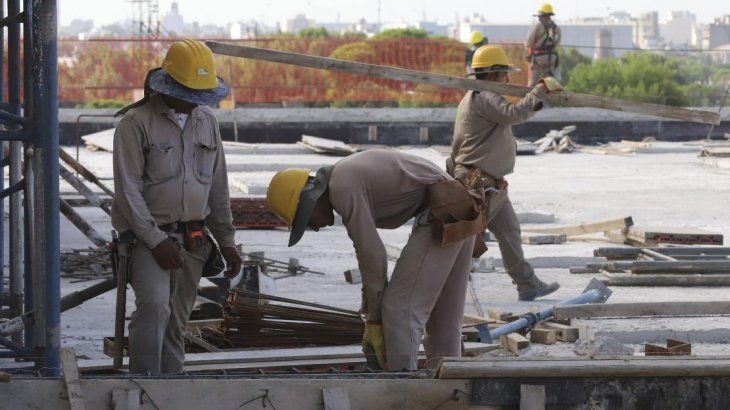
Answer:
(633, 253)
(628, 367)
(583, 229)
(71, 377)
(668, 280)
(641, 309)
(719, 266)
(448, 81)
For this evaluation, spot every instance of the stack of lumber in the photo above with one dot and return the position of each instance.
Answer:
(251, 212)
(613, 230)
(325, 146)
(624, 147)
(557, 140)
(256, 320)
(663, 266)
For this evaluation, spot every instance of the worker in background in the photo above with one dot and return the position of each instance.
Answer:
(542, 44)
(171, 195)
(483, 151)
(385, 189)
(476, 40)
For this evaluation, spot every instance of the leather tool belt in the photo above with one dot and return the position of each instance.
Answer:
(458, 213)
(182, 227)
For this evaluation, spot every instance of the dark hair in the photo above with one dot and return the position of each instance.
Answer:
(486, 75)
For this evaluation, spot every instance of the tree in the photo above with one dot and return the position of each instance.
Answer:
(569, 58)
(398, 33)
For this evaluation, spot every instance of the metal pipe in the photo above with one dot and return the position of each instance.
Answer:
(28, 205)
(45, 129)
(595, 292)
(15, 235)
(10, 118)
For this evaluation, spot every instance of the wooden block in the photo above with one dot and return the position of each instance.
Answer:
(543, 239)
(563, 333)
(532, 397)
(499, 315)
(4, 377)
(514, 342)
(353, 276)
(469, 334)
(336, 398)
(71, 377)
(651, 236)
(681, 349)
(543, 336)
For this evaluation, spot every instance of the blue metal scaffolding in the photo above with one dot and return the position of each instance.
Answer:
(29, 136)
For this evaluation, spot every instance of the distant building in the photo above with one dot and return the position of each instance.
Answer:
(677, 31)
(433, 28)
(646, 30)
(580, 34)
(172, 23)
(299, 22)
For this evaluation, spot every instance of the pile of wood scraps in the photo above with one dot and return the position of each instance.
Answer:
(252, 213)
(662, 266)
(256, 320)
(623, 147)
(557, 140)
(326, 146)
(614, 229)
(86, 264)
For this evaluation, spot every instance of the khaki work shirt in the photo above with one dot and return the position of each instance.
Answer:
(543, 39)
(163, 174)
(379, 189)
(483, 131)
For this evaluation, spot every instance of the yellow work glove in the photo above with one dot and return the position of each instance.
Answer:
(551, 84)
(374, 339)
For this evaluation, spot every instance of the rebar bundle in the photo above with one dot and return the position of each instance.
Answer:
(256, 320)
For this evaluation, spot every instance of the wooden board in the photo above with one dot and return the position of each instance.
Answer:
(71, 378)
(718, 266)
(633, 253)
(544, 239)
(668, 280)
(582, 229)
(588, 367)
(652, 236)
(638, 309)
(448, 81)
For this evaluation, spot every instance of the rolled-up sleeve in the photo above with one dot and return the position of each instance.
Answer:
(128, 164)
(220, 219)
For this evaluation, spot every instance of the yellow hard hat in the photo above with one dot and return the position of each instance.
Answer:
(284, 191)
(190, 63)
(476, 37)
(545, 9)
(491, 58)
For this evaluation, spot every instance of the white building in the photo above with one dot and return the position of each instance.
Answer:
(299, 22)
(172, 23)
(677, 31)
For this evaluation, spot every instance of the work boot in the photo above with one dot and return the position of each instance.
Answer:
(543, 289)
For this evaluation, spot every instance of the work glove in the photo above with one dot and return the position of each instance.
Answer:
(551, 84)
(167, 254)
(233, 261)
(373, 342)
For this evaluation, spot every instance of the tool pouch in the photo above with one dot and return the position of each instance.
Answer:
(215, 263)
(458, 213)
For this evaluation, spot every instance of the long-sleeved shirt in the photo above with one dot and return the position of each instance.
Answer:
(542, 38)
(165, 174)
(483, 131)
(379, 189)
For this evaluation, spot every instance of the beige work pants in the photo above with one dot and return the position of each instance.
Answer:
(544, 66)
(427, 293)
(503, 223)
(163, 300)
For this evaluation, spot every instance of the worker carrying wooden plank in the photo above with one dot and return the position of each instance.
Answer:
(171, 194)
(385, 189)
(542, 43)
(483, 151)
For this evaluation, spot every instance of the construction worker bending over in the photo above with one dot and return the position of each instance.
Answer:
(385, 189)
(483, 151)
(476, 40)
(542, 43)
(171, 194)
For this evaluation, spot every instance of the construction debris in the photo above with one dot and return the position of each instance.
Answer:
(602, 346)
(86, 264)
(251, 212)
(674, 348)
(638, 309)
(528, 239)
(252, 319)
(326, 146)
(353, 276)
(557, 141)
(615, 227)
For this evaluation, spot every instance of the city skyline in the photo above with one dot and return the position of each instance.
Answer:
(392, 11)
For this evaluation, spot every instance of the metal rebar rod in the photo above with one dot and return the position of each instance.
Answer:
(84, 172)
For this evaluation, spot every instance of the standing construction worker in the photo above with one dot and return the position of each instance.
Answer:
(476, 40)
(483, 151)
(541, 44)
(171, 195)
(385, 189)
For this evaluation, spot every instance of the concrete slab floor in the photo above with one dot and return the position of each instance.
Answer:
(674, 189)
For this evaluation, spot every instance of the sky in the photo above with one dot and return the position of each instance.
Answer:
(221, 12)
